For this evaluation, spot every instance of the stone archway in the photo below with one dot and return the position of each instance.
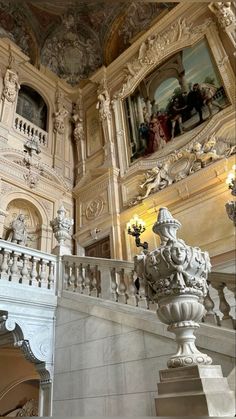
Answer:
(33, 221)
(30, 369)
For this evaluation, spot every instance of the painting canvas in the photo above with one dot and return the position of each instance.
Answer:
(179, 95)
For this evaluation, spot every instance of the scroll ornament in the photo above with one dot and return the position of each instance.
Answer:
(176, 274)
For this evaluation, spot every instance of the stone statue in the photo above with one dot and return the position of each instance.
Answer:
(77, 119)
(156, 179)
(206, 153)
(59, 117)
(11, 85)
(103, 105)
(18, 232)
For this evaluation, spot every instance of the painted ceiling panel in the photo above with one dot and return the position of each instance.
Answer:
(75, 37)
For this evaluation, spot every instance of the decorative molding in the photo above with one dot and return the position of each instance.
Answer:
(94, 208)
(183, 163)
(156, 48)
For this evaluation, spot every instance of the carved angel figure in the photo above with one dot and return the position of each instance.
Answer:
(59, 117)
(206, 152)
(156, 179)
(11, 85)
(103, 105)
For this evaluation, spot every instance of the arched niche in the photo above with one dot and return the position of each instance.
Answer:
(32, 106)
(33, 220)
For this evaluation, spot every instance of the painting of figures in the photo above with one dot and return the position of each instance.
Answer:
(179, 95)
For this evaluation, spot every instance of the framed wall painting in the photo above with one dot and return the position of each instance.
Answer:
(181, 93)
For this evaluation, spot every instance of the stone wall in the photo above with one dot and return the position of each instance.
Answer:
(103, 368)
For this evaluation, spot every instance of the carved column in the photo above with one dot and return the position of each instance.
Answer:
(176, 274)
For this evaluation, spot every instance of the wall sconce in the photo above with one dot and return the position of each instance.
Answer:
(231, 205)
(135, 228)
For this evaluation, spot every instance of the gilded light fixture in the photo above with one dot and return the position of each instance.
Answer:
(135, 227)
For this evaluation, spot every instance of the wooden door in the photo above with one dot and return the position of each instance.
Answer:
(99, 249)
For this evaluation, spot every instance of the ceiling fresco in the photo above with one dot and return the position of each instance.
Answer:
(75, 37)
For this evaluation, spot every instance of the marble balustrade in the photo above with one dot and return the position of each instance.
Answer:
(116, 280)
(23, 265)
(105, 278)
(28, 130)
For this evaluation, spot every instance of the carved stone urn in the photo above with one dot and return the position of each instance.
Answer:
(177, 275)
(62, 226)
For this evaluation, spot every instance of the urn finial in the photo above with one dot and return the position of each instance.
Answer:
(166, 226)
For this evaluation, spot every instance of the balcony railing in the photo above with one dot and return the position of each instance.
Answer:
(23, 265)
(28, 130)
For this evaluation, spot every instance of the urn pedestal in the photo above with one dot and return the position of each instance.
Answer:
(198, 390)
(175, 274)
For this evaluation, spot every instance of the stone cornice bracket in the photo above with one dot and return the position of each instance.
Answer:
(158, 47)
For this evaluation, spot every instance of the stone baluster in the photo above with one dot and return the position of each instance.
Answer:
(72, 278)
(34, 272)
(25, 272)
(210, 315)
(5, 264)
(96, 281)
(143, 293)
(42, 274)
(88, 280)
(67, 275)
(15, 274)
(75, 273)
(122, 295)
(227, 320)
(81, 279)
(132, 290)
(114, 285)
(51, 276)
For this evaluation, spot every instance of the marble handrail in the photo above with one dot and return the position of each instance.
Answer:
(23, 265)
